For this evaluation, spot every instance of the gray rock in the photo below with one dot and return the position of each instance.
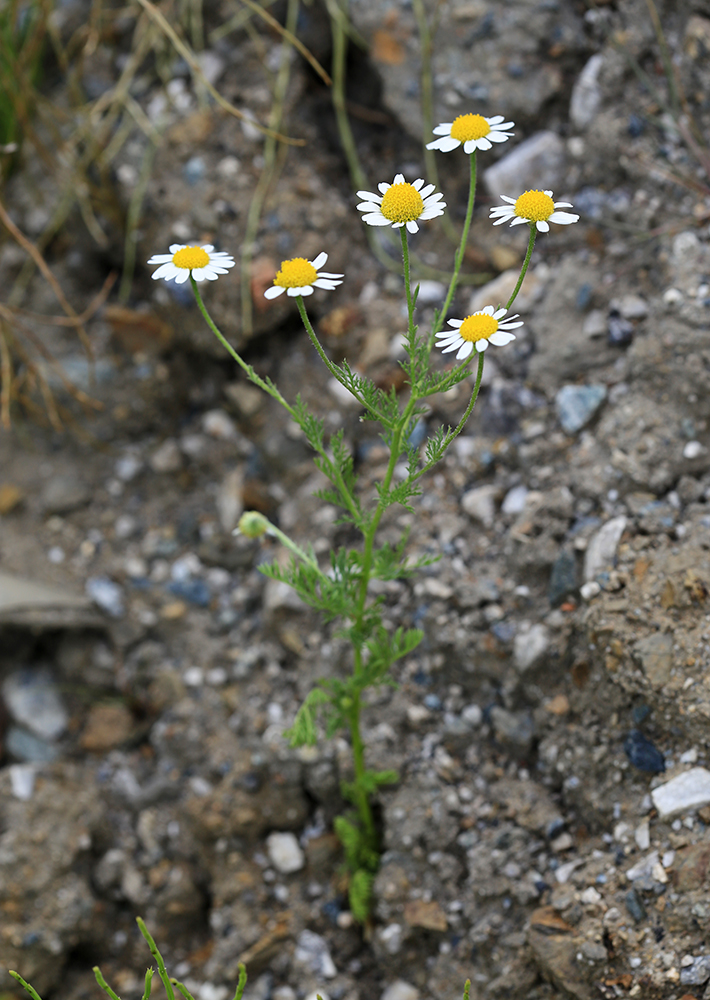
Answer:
(107, 594)
(595, 324)
(514, 728)
(33, 700)
(586, 93)
(689, 790)
(601, 550)
(313, 954)
(514, 500)
(65, 493)
(655, 654)
(697, 973)
(536, 163)
(167, 458)
(530, 646)
(563, 579)
(28, 604)
(479, 504)
(577, 404)
(29, 748)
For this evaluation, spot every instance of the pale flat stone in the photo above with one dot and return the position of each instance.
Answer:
(285, 852)
(689, 790)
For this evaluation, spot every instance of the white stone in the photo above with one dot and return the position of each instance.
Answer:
(586, 93)
(590, 895)
(643, 867)
(285, 853)
(22, 780)
(537, 162)
(220, 425)
(601, 549)
(595, 324)
(590, 590)
(400, 990)
(642, 836)
(689, 790)
(167, 458)
(693, 449)
(514, 500)
(530, 646)
(479, 503)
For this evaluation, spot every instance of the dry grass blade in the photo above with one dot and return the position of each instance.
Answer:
(291, 39)
(195, 67)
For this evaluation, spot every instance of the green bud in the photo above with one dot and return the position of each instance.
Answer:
(253, 524)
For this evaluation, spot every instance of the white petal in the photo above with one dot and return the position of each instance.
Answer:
(209, 275)
(499, 222)
(418, 183)
(481, 144)
(208, 248)
(399, 179)
(274, 292)
(500, 338)
(481, 345)
(426, 191)
(412, 227)
(548, 193)
(508, 325)
(466, 349)
(160, 258)
(329, 285)
(499, 126)
(495, 120)
(563, 204)
(563, 218)
(182, 275)
(455, 322)
(432, 213)
(383, 187)
(542, 226)
(452, 347)
(166, 271)
(499, 313)
(368, 196)
(445, 144)
(497, 137)
(306, 290)
(174, 247)
(327, 274)
(518, 221)
(369, 206)
(488, 310)
(511, 201)
(443, 129)
(375, 220)
(503, 210)
(320, 260)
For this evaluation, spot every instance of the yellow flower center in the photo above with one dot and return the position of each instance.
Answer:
(536, 206)
(402, 203)
(296, 273)
(467, 127)
(480, 326)
(190, 257)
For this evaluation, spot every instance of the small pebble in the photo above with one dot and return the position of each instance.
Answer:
(285, 852)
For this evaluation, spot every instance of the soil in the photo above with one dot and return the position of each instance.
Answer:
(549, 833)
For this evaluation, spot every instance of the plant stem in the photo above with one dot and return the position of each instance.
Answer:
(407, 282)
(362, 803)
(526, 262)
(458, 259)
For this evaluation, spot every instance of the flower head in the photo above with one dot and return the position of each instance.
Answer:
(200, 262)
(478, 330)
(474, 131)
(401, 204)
(533, 207)
(300, 276)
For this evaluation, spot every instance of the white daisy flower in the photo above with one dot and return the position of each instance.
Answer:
(203, 263)
(474, 131)
(401, 204)
(478, 330)
(533, 206)
(300, 276)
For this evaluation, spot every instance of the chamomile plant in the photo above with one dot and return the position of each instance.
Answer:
(339, 586)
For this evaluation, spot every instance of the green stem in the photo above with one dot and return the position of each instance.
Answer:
(293, 547)
(458, 259)
(407, 283)
(247, 369)
(362, 803)
(461, 424)
(526, 262)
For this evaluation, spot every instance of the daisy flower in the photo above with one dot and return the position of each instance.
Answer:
(533, 206)
(401, 204)
(478, 330)
(300, 276)
(474, 131)
(200, 262)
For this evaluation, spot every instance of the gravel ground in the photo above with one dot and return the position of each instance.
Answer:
(549, 834)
